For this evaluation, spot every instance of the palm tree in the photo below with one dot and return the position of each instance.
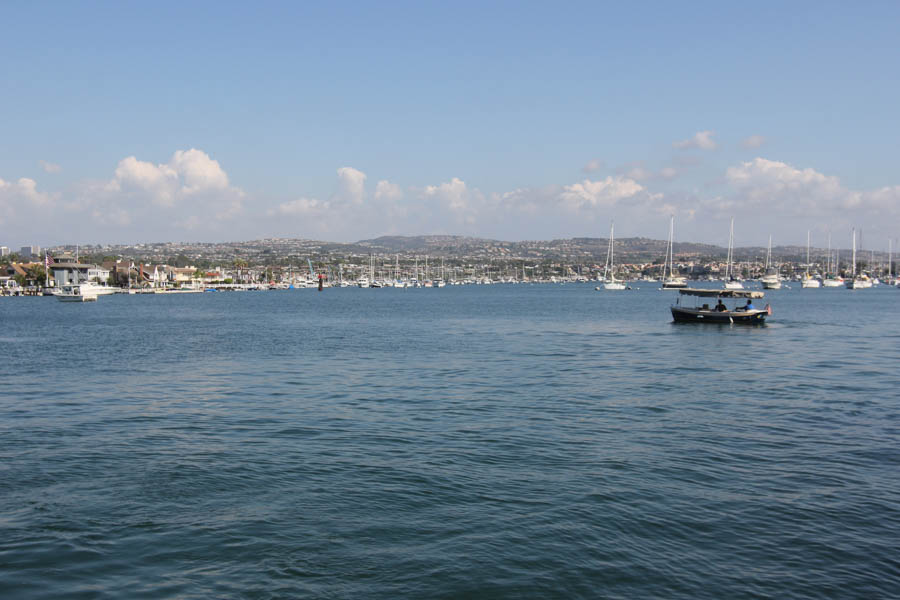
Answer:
(239, 264)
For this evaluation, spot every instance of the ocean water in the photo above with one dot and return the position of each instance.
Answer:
(524, 441)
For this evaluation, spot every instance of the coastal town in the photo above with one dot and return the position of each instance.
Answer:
(422, 261)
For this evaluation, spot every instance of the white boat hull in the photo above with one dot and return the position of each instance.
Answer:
(858, 284)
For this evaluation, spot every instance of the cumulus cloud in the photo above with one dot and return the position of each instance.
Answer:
(198, 171)
(753, 142)
(604, 193)
(50, 167)
(351, 186)
(189, 175)
(594, 165)
(159, 182)
(773, 184)
(453, 194)
(24, 191)
(22, 198)
(385, 190)
(702, 140)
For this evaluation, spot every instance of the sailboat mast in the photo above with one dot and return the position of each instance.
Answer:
(807, 252)
(671, 249)
(853, 266)
(728, 271)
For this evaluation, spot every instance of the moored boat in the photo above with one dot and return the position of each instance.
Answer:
(671, 281)
(76, 293)
(731, 282)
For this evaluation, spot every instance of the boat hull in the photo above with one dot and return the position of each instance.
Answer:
(683, 314)
(75, 298)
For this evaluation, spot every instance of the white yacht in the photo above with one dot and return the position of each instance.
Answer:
(76, 293)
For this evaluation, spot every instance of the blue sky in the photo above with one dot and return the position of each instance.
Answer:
(221, 121)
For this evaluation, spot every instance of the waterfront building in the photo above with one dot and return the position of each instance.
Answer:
(69, 273)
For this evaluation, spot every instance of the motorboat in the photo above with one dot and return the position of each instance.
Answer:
(771, 280)
(807, 281)
(719, 313)
(76, 293)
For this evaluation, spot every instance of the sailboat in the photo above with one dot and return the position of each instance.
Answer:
(731, 282)
(771, 280)
(670, 281)
(857, 281)
(808, 281)
(609, 272)
(832, 278)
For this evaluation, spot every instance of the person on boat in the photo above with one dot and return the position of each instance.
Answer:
(749, 305)
(720, 307)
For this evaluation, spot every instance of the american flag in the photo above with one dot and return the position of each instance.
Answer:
(48, 260)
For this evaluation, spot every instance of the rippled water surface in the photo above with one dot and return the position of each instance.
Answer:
(480, 442)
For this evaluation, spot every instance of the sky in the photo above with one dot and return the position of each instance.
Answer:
(130, 122)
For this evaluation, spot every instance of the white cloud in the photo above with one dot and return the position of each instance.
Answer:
(702, 140)
(753, 142)
(160, 182)
(189, 174)
(604, 193)
(351, 186)
(198, 171)
(23, 199)
(594, 165)
(453, 194)
(24, 190)
(50, 167)
(385, 190)
(775, 185)
(300, 207)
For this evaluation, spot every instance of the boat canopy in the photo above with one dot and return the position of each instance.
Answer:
(721, 293)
